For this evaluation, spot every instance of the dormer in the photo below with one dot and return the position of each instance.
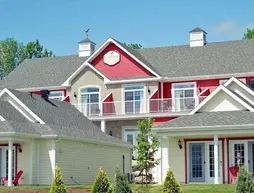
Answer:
(197, 37)
(86, 47)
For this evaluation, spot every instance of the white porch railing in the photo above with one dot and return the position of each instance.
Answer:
(152, 106)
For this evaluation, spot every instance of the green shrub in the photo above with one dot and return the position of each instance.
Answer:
(101, 183)
(170, 184)
(57, 185)
(121, 184)
(244, 183)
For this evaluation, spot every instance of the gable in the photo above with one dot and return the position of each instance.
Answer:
(222, 99)
(222, 102)
(125, 66)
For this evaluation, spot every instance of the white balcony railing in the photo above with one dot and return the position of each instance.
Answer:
(176, 105)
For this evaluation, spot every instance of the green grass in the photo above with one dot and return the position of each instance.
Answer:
(197, 188)
(191, 188)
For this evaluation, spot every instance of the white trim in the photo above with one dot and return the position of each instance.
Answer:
(144, 105)
(199, 95)
(153, 94)
(240, 83)
(10, 148)
(53, 157)
(183, 83)
(217, 90)
(206, 77)
(96, 53)
(65, 98)
(224, 81)
(31, 161)
(38, 163)
(91, 86)
(52, 92)
(5, 90)
(33, 89)
(1, 118)
(106, 96)
(139, 80)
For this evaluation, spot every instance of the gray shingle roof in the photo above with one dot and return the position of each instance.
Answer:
(219, 58)
(61, 119)
(42, 72)
(224, 118)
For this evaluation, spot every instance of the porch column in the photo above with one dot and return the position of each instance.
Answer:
(10, 148)
(53, 157)
(216, 159)
(103, 126)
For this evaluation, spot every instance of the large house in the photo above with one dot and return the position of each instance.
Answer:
(114, 86)
(37, 133)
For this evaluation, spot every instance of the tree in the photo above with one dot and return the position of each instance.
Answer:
(121, 184)
(58, 184)
(12, 53)
(170, 184)
(134, 46)
(249, 34)
(244, 182)
(101, 183)
(147, 145)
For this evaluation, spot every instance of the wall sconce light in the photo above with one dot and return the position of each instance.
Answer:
(110, 133)
(19, 148)
(180, 144)
(75, 95)
(148, 90)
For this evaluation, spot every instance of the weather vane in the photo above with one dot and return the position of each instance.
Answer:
(87, 32)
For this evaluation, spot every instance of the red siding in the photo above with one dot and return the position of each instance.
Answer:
(154, 102)
(160, 120)
(127, 67)
(66, 99)
(201, 85)
(108, 105)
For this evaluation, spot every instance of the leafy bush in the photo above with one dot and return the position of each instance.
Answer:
(57, 185)
(121, 184)
(101, 183)
(170, 184)
(244, 183)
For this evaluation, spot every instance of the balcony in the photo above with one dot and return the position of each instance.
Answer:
(144, 108)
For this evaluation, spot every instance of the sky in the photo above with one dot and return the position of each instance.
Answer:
(59, 24)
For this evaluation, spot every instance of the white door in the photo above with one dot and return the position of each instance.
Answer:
(210, 162)
(238, 153)
(130, 137)
(4, 165)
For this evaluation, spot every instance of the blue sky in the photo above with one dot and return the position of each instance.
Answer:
(60, 24)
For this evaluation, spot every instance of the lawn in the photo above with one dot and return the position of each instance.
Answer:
(201, 188)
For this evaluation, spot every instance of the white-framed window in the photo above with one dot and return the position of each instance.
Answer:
(57, 95)
(90, 100)
(134, 99)
(225, 80)
(184, 96)
(130, 136)
(5, 163)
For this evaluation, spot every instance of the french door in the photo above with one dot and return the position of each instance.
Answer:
(201, 162)
(210, 162)
(134, 99)
(90, 101)
(183, 96)
(130, 138)
(5, 162)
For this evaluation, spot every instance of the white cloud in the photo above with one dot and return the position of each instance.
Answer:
(231, 28)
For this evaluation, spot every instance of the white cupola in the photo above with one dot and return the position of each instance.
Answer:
(86, 47)
(197, 37)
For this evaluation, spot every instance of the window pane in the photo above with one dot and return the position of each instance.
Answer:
(55, 94)
(187, 85)
(133, 87)
(89, 89)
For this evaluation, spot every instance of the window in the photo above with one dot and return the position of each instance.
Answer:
(225, 80)
(57, 95)
(130, 137)
(90, 101)
(133, 99)
(183, 96)
(4, 165)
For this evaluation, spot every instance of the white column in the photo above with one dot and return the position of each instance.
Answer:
(103, 126)
(31, 162)
(10, 148)
(53, 158)
(216, 159)
(38, 163)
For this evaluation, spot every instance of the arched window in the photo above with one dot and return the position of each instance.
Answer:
(90, 100)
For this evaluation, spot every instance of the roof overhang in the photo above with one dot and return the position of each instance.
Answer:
(42, 88)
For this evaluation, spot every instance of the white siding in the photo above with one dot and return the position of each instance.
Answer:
(23, 163)
(241, 92)
(45, 171)
(221, 102)
(83, 160)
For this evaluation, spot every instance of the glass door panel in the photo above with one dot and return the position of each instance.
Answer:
(239, 154)
(129, 102)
